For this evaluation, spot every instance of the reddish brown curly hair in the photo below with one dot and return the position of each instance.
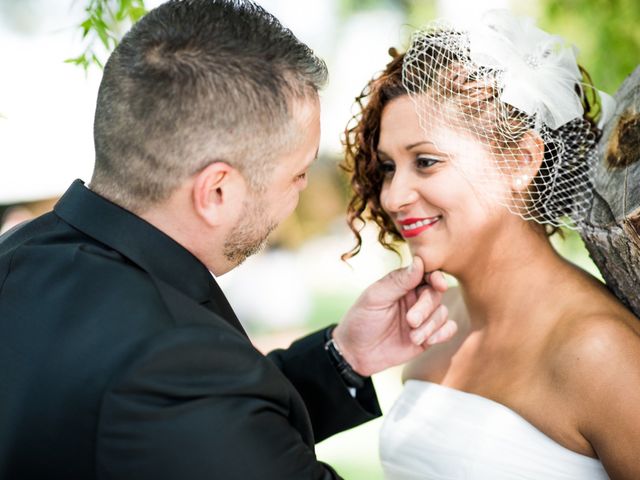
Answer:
(361, 161)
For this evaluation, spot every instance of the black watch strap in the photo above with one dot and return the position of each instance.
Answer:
(350, 377)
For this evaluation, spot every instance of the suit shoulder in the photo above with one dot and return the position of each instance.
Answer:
(68, 273)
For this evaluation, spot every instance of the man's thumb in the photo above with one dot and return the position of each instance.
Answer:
(403, 280)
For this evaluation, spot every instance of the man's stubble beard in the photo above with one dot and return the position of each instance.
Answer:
(250, 234)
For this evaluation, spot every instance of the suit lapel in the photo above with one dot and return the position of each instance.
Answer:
(218, 303)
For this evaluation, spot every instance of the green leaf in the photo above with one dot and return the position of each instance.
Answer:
(123, 9)
(104, 22)
(76, 60)
(97, 61)
(136, 13)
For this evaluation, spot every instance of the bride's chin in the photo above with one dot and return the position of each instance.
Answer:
(431, 264)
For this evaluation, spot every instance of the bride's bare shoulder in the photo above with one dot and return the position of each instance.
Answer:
(594, 340)
(591, 320)
(595, 365)
(431, 361)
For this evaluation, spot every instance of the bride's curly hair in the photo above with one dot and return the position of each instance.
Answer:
(362, 134)
(361, 160)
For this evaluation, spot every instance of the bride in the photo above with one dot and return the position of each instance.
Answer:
(473, 148)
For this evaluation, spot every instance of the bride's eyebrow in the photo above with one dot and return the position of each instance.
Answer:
(382, 153)
(418, 144)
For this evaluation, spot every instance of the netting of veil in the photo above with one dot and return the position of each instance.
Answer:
(510, 85)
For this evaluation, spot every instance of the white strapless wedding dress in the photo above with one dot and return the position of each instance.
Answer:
(439, 433)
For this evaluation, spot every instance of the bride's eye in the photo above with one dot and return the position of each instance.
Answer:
(426, 162)
(386, 168)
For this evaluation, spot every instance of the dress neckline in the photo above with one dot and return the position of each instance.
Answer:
(501, 406)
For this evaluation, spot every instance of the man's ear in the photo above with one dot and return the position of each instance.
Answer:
(529, 160)
(218, 193)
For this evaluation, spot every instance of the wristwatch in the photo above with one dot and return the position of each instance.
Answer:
(350, 377)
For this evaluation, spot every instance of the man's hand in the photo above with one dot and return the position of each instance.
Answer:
(394, 320)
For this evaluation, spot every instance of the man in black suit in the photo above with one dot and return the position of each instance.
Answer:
(120, 357)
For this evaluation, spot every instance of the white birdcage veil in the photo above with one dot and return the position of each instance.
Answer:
(511, 86)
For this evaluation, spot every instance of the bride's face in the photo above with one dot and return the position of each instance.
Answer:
(435, 188)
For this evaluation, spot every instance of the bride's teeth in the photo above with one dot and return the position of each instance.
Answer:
(418, 224)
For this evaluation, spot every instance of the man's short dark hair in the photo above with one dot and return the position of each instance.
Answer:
(193, 82)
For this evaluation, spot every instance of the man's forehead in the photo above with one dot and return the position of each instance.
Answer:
(306, 109)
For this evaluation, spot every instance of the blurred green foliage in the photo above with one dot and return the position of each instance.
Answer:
(103, 26)
(328, 308)
(605, 31)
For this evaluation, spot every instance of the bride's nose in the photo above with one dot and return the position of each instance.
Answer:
(398, 193)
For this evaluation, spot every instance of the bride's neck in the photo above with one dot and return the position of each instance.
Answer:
(510, 279)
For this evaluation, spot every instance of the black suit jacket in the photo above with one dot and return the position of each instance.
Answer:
(120, 358)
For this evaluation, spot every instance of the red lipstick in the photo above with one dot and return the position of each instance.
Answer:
(412, 227)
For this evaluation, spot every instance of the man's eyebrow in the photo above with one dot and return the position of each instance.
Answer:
(308, 164)
(315, 157)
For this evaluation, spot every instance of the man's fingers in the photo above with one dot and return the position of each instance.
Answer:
(437, 281)
(434, 281)
(398, 283)
(429, 328)
(445, 333)
(428, 300)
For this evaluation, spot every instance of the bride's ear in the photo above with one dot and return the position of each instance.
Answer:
(530, 154)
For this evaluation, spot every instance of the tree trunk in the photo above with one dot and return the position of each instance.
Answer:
(612, 234)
